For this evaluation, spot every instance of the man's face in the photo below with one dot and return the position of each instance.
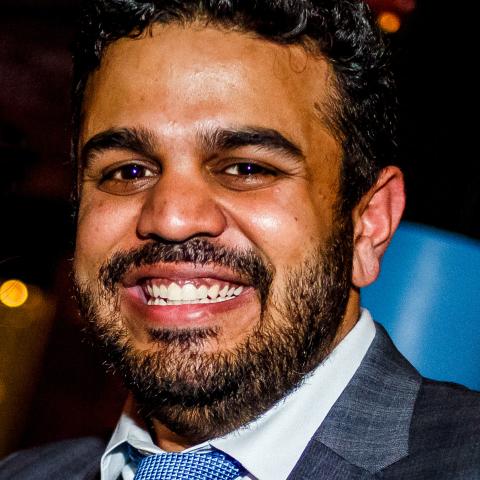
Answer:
(208, 195)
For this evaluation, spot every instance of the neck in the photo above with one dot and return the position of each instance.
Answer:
(350, 318)
(161, 435)
(168, 440)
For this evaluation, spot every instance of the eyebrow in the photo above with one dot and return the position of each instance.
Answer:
(265, 138)
(137, 140)
(142, 141)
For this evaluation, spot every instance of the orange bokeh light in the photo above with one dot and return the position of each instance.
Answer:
(389, 22)
(13, 293)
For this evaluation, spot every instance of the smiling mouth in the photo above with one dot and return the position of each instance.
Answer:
(189, 292)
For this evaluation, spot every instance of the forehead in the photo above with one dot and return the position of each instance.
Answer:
(176, 79)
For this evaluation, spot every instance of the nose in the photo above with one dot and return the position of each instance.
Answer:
(180, 207)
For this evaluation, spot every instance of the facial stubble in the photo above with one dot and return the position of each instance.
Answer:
(202, 395)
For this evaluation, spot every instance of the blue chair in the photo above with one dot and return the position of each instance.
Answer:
(428, 298)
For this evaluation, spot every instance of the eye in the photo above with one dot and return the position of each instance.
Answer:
(247, 169)
(246, 175)
(129, 172)
(128, 178)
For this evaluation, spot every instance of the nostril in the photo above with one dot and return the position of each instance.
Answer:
(172, 241)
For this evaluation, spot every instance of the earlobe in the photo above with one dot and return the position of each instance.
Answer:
(376, 218)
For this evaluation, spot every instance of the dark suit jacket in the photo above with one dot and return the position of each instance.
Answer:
(389, 423)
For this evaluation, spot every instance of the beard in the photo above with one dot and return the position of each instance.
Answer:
(201, 395)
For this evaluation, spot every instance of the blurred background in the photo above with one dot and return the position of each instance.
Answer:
(51, 384)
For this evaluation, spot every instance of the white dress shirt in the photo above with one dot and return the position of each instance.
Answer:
(269, 447)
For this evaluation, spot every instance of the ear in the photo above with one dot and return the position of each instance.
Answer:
(375, 219)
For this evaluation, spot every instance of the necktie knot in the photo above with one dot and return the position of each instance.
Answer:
(211, 465)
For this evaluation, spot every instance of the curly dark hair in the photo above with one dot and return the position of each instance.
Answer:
(363, 112)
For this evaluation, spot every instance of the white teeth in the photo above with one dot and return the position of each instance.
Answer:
(189, 292)
(213, 291)
(202, 292)
(223, 291)
(161, 301)
(156, 301)
(174, 292)
(238, 291)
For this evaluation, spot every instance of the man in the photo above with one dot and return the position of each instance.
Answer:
(235, 192)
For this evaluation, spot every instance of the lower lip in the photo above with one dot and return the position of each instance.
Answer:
(181, 316)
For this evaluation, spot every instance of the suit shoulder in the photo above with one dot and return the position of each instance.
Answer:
(444, 439)
(445, 414)
(74, 459)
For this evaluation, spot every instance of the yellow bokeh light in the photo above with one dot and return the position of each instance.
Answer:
(13, 293)
(389, 22)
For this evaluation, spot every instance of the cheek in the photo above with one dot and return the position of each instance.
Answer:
(104, 227)
(284, 225)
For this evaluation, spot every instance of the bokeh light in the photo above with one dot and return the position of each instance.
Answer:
(13, 293)
(389, 22)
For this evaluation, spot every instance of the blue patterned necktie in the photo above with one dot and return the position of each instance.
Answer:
(211, 465)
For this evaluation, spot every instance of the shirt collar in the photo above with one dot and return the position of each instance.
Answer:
(130, 429)
(269, 447)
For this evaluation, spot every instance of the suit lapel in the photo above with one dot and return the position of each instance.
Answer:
(319, 462)
(368, 427)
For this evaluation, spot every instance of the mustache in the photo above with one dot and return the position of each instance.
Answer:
(246, 263)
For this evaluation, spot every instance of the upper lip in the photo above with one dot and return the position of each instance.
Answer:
(181, 271)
